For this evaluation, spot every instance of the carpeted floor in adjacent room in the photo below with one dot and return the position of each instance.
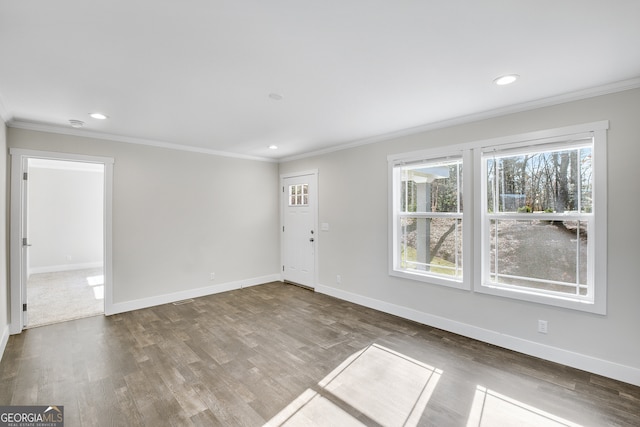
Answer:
(65, 295)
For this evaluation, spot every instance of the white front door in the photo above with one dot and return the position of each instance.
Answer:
(299, 234)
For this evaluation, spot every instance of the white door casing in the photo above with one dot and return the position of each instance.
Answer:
(26, 242)
(18, 218)
(299, 204)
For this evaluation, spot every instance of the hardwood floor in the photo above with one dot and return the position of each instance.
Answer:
(283, 355)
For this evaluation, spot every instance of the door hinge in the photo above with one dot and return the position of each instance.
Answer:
(24, 241)
(24, 307)
(283, 268)
(283, 228)
(25, 176)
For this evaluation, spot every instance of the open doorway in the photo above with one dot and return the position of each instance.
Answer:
(65, 223)
(22, 263)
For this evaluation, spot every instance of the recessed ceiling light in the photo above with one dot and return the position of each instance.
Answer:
(273, 147)
(98, 116)
(276, 96)
(76, 123)
(506, 79)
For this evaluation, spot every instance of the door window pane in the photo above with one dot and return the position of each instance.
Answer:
(299, 195)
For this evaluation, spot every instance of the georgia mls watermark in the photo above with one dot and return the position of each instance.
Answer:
(31, 416)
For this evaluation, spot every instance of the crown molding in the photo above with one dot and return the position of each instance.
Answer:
(526, 106)
(44, 127)
(607, 89)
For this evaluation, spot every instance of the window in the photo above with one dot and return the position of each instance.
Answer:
(428, 220)
(299, 195)
(538, 209)
(538, 220)
(538, 216)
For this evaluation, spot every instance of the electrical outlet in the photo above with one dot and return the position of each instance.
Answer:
(543, 327)
(212, 276)
(338, 279)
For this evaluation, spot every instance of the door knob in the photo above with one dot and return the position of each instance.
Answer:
(312, 239)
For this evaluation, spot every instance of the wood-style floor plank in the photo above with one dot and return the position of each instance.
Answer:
(277, 354)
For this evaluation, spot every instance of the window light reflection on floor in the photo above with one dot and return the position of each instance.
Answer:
(373, 386)
(97, 283)
(491, 409)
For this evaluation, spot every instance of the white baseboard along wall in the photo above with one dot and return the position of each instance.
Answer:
(575, 360)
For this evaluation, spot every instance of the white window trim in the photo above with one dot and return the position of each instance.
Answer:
(394, 206)
(472, 217)
(597, 236)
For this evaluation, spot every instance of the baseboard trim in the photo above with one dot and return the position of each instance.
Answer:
(4, 340)
(138, 304)
(583, 362)
(64, 267)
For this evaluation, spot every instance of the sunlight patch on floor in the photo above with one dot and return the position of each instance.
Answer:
(493, 409)
(374, 386)
(95, 280)
(98, 292)
(97, 283)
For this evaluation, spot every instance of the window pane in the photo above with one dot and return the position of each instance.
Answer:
(299, 195)
(431, 187)
(543, 181)
(549, 255)
(432, 245)
(586, 181)
(292, 195)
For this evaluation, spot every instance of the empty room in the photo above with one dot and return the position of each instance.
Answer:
(319, 213)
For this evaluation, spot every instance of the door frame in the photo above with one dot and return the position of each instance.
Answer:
(314, 198)
(17, 252)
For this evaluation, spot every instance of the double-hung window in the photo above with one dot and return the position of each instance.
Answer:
(539, 239)
(521, 217)
(427, 215)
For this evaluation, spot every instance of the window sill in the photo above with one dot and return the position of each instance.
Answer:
(550, 300)
(430, 278)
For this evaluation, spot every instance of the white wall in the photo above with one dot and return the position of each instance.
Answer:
(179, 216)
(65, 217)
(4, 288)
(356, 245)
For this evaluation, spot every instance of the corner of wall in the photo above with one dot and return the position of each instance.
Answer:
(4, 282)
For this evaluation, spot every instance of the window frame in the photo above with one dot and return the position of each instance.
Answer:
(476, 245)
(597, 250)
(416, 157)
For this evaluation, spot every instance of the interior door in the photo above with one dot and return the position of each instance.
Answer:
(299, 229)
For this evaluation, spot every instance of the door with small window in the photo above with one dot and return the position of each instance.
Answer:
(299, 234)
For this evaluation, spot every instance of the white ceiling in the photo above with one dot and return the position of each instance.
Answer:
(199, 73)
